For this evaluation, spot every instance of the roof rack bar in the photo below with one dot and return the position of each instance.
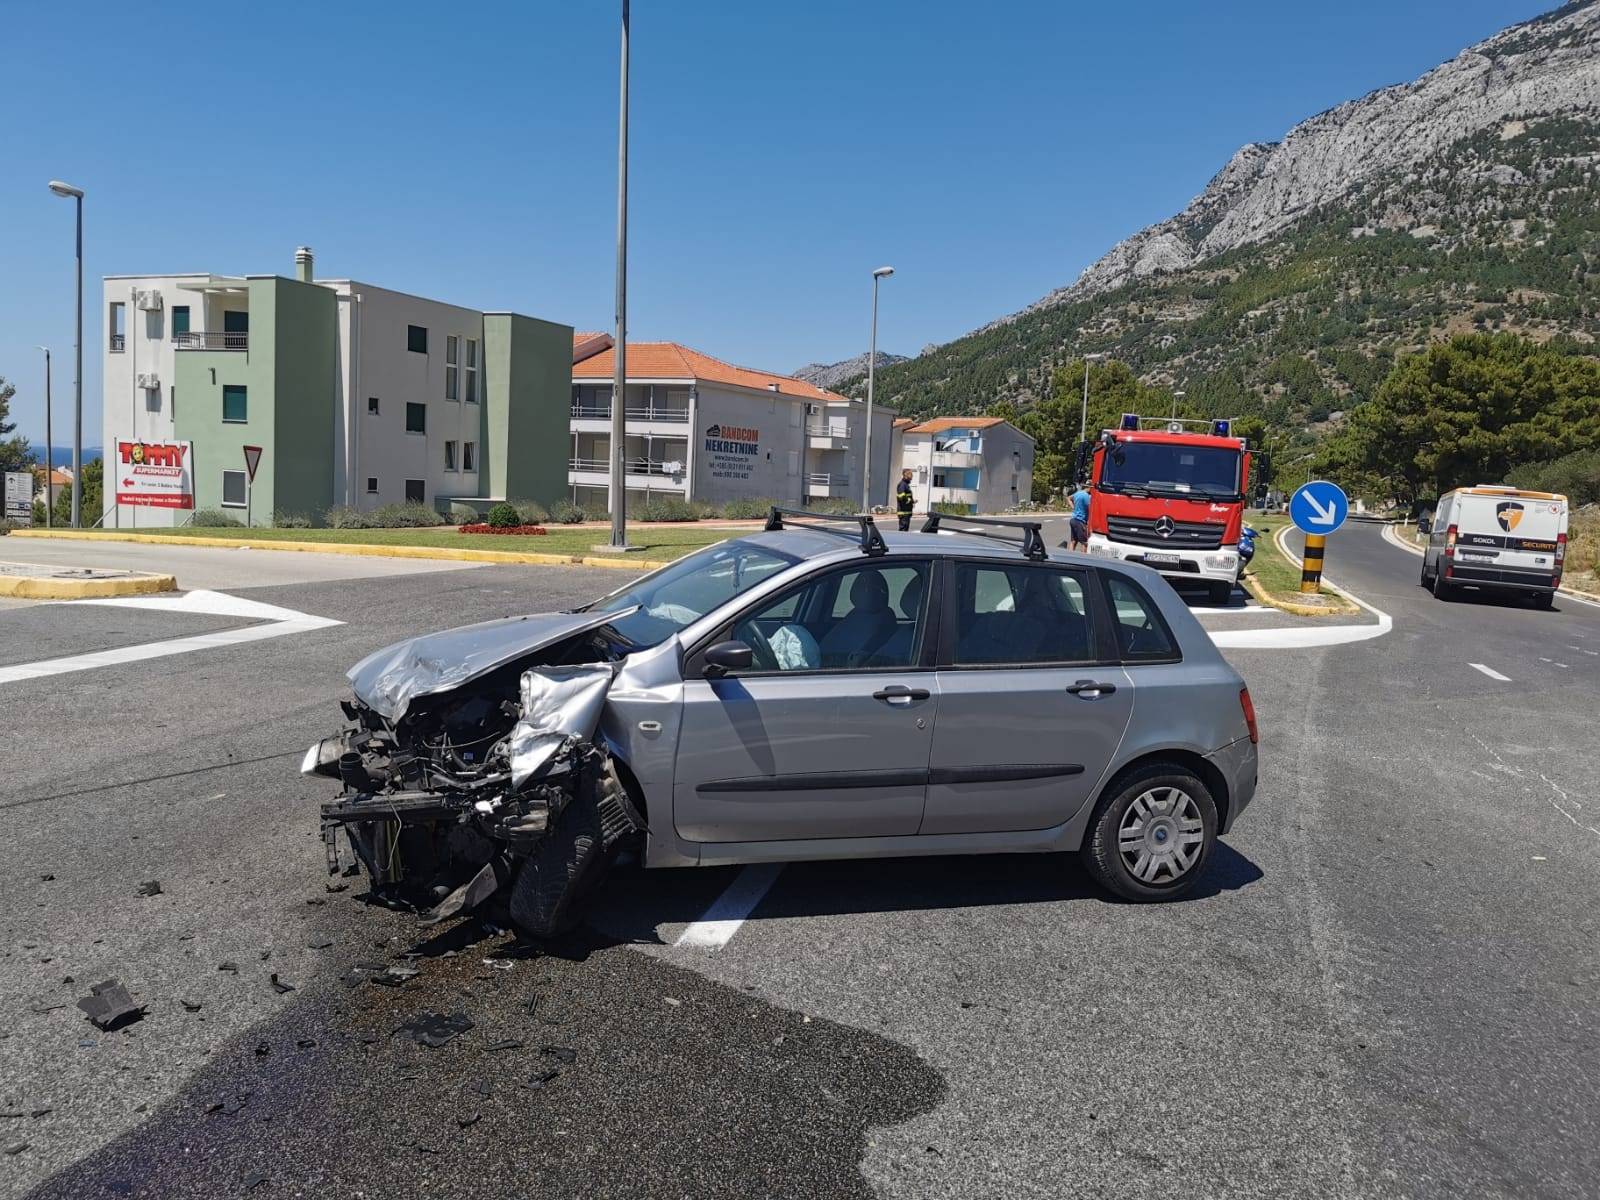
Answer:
(1032, 539)
(872, 542)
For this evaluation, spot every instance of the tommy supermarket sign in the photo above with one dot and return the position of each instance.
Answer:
(155, 474)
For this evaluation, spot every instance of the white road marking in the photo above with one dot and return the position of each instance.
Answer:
(280, 622)
(722, 920)
(1303, 637)
(1490, 672)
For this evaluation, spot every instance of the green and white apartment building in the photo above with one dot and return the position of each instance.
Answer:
(356, 395)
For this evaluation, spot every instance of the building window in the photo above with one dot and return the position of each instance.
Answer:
(152, 399)
(115, 327)
(372, 405)
(449, 456)
(233, 489)
(180, 321)
(416, 339)
(416, 417)
(416, 491)
(469, 456)
(372, 485)
(452, 350)
(472, 371)
(235, 404)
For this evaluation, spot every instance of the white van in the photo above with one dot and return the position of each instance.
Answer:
(1499, 538)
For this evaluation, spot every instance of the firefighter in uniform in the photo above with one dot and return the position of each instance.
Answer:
(903, 500)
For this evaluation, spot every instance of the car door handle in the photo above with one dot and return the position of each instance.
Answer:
(1085, 686)
(897, 692)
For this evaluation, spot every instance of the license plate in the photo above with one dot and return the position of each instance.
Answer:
(1476, 554)
(1161, 560)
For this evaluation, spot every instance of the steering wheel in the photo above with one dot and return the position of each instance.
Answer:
(761, 651)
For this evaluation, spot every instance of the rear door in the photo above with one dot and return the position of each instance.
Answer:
(1032, 706)
(828, 735)
(1511, 536)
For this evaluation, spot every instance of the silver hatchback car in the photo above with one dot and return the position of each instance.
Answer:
(816, 690)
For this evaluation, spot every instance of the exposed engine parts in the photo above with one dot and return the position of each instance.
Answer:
(454, 789)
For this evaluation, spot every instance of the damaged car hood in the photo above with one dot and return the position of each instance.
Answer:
(388, 680)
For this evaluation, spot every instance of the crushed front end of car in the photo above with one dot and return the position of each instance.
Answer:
(470, 770)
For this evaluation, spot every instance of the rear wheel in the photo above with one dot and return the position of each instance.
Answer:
(1426, 582)
(1152, 834)
(1441, 589)
(1545, 600)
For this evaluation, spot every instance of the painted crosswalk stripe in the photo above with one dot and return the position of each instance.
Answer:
(722, 920)
(1490, 672)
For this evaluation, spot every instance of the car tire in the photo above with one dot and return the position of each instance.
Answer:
(1219, 594)
(569, 863)
(1125, 847)
(1426, 582)
(1441, 589)
(1545, 600)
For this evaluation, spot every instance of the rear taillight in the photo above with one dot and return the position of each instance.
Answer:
(1249, 709)
(1561, 555)
(1449, 549)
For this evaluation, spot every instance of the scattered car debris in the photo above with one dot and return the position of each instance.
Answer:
(229, 1105)
(673, 1002)
(542, 1078)
(41, 1112)
(190, 1005)
(468, 1119)
(306, 1043)
(47, 1008)
(47, 879)
(499, 964)
(16, 1147)
(435, 1029)
(483, 1089)
(562, 1054)
(394, 976)
(509, 1044)
(319, 946)
(109, 1006)
(231, 967)
(251, 1182)
(263, 1049)
(149, 888)
(279, 985)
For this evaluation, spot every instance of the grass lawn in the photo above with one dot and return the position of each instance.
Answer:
(658, 543)
(1279, 577)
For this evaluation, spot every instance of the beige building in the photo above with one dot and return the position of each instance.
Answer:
(984, 463)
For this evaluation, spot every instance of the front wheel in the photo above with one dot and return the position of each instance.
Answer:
(1151, 837)
(1219, 594)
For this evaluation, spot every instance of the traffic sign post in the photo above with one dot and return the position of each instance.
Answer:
(1317, 508)
(252, 460)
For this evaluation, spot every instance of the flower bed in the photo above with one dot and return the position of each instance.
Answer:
(525, 530)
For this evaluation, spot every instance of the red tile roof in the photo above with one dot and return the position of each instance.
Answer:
(941, 424)
(669, 360)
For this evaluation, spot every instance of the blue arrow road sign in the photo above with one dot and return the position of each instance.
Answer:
(1319, 506)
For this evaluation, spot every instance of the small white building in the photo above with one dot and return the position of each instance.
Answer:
(984, 463)
(706, 430)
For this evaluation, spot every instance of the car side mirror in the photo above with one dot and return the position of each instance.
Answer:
(727, 656)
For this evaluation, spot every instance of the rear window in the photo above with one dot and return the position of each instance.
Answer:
(1018, 614)
(1142, 634)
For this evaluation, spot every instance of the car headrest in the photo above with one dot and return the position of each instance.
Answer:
(911, 597)
(869, 592)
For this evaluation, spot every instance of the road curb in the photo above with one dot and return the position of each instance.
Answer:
(42, 587)
(357, 549)
(1254, 587)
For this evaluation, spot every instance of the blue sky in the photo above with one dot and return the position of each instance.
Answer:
(780, 151)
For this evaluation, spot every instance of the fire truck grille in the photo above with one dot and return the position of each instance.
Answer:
(1184, 535)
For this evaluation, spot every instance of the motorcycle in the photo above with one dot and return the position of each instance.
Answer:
(1247, 545)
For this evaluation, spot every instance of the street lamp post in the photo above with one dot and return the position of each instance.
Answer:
(49, 446)
(619, 385)
(872, 362)
(1176, 396)
(67, 191)
(1083, 421)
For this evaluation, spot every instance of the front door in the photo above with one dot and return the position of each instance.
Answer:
(828, 735)
(1022, 740)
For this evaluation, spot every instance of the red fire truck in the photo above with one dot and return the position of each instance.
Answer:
(1171, 497)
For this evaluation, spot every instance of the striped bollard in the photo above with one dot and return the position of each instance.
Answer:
(1311, 564)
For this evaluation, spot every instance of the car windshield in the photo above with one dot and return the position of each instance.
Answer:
(1168, 468)
(678, 595)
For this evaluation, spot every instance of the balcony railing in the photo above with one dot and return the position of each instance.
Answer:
(827, 431)
(649, 412)
(119, 343)
(211, 341)
(633, 466)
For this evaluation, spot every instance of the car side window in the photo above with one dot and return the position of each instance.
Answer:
(1141, 633)
(869, 617)
(1021, 614)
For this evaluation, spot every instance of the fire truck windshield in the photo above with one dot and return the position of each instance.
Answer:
(1171, 469)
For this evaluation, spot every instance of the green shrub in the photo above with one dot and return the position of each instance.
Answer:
(836, 507)
(504, 516)
(666, 508)
(530, 512)
(463, 514)
(1576, 476)
(283, 520)
(951, 508)
(405, 516)
(212, 518)
(7, 525)
(565, 512)
(342, 516)
(748, 508)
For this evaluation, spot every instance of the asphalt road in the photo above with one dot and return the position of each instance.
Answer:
(1389, 987)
